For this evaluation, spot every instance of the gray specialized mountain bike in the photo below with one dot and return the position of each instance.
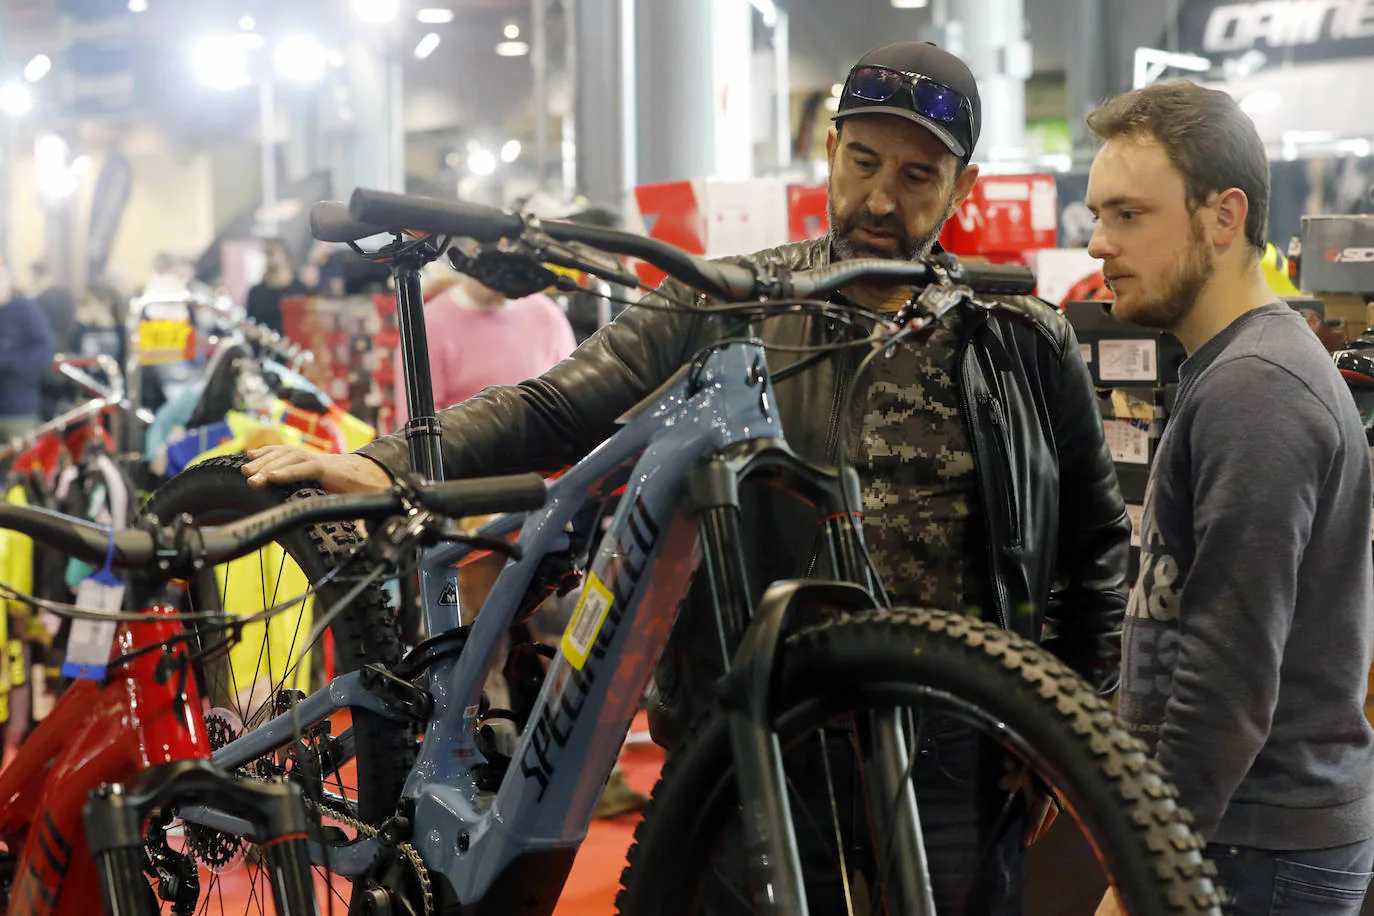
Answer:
(797, 791)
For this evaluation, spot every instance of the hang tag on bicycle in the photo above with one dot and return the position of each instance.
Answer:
(90, 640)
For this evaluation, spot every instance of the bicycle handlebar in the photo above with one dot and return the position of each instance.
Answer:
(137, 548)
(429, 214)
(490, 224)
(330, 222)
(723, 279)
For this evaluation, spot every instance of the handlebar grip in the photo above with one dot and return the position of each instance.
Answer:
(996, 279)
(429, 214)
(331, 222)
(484, 495)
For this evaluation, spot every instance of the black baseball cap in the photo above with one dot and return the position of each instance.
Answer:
(938, 92)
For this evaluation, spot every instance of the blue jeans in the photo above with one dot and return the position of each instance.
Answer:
(1308, 882)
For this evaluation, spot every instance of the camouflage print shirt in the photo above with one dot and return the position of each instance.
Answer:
(917, 469)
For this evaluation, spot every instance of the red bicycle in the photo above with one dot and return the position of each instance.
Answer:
(86, 805)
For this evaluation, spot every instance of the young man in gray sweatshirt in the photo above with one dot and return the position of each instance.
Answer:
(1249, 634)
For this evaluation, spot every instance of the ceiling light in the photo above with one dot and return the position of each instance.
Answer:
(832, 104)
(837, 89)
(427, 45)
(37, 68)
(512, 49)
(301, 59)
(434, 16)
(138, 6)
(910, 4)
(512, 31)
(81, 165)
(15, 99)
(510, 151)
(221, 62)
(247, 23)
(481, 162)
(375, 12)
(335, 58)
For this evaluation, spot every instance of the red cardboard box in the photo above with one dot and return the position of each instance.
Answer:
(1006, 215)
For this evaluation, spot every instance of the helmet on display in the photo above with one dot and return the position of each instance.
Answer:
(1357, 368)
(1295, 259)
(1275, 269)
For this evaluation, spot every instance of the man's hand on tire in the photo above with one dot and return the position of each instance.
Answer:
(336, 473)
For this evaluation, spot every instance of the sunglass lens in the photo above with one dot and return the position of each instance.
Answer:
(936, 101)
(874, 84)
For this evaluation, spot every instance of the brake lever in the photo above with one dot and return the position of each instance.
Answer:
(512, 274)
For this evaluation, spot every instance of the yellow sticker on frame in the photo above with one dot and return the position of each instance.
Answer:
(586, 622)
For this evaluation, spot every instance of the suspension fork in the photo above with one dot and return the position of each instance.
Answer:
(769, 838)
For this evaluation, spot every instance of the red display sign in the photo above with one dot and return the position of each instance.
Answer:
(1004, 217)
(672, 213)
(808, 216)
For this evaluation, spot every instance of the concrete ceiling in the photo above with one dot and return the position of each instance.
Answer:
(464, 83)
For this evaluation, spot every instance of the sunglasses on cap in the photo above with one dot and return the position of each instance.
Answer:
(928, 98)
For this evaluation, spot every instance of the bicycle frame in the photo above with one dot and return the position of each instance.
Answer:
(94, 735)
(525, 836)
(689, 444)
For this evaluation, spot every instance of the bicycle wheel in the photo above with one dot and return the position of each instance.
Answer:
(353, 765)
(937, 668)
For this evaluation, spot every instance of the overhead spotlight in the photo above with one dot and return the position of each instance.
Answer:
(511, 31)
(37, 68)
(301, 59)
(910, 4)
(512, 49)
(434, 16)
(138, 6)
(376, 12)
(837, 90)
(221, 62)
(427, 45)
(510, 151)
(15, 99)
(247, 23)
(481, 162)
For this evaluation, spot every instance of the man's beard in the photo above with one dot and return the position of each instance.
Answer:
(1179, 289)
(845, 248)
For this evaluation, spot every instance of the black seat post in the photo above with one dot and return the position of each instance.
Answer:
(422, 429)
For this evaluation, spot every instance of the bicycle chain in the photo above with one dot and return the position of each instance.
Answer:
(411, 854)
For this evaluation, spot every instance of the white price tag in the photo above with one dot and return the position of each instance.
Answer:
(1129, 440)
(89, 641)
(1126, 360)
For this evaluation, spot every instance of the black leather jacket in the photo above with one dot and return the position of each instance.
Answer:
(1052, 513)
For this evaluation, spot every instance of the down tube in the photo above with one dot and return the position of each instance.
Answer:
(642, 571)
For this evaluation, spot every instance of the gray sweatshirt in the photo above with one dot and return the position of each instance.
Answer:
(1249, 634)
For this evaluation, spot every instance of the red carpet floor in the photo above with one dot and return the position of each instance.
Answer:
(595, 877)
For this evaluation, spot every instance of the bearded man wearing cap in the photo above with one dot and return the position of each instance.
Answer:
(988, 486)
